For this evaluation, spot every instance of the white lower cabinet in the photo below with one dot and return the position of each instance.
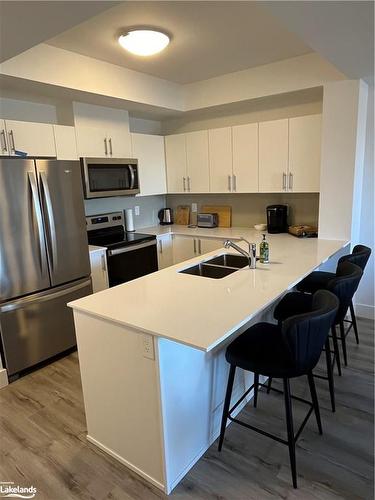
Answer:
(206, 245)
(184, 248)
(165, 251)
(99, 270)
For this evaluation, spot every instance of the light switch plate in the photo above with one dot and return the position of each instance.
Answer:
(194, 207)
(136, 210)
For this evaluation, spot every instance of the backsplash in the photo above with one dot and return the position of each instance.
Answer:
(250, 209)
(148, 207)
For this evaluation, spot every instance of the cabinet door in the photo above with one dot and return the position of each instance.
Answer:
(4, 143)
(245, 158)
(99, 272)
(220, 154)
(175, 155)
(165, 251)
(273, 156)
(92, 142)
(65, 140)
(198, 176)
(149, 151)
(304, 153)
(35, 139)
(206, 245)
(184, 248)
(119, 143)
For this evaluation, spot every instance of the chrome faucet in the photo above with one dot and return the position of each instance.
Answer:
(251, 254)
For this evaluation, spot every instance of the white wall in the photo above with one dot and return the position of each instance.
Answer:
(12, 109)
(365, 304)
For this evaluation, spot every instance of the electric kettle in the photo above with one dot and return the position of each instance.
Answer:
(165, 216)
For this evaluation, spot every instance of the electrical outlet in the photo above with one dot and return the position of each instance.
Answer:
(194, 207)
(137, 210)
(148, 346)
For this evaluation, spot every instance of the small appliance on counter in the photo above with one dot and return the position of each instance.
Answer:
(165, 216)
(207, 220)
(277, 219)
(129, 220)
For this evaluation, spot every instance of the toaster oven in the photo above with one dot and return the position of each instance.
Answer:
(207, 220)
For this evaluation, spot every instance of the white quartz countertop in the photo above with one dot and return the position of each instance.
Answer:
(196, 232)
(202, 312)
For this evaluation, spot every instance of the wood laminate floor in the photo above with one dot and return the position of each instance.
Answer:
(42, 442)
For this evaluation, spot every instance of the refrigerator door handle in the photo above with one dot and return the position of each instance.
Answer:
(51, 220)
(38, 213)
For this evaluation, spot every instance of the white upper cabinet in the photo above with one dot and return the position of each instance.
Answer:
(198, 175)
(245, 158)
(220, 154)
(34, 139)
(304, 153)
(65, 141)
(4, 145)
(149, 151)
(273, 156)
(175, 154)
(102, 132)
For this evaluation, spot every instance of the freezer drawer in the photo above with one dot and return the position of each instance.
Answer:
(39, 326)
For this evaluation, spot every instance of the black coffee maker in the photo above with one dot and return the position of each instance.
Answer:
(277, 219)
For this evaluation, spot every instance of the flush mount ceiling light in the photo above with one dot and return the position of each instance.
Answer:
(144, 42)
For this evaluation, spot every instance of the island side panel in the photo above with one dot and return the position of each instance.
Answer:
(121, 395)
(192, 385)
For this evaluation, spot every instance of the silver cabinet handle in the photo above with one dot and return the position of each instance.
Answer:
(110, 146)
(160, 246)
(38, 213)
(290, 186)
(199, 246)
(229, 183)
(105, 146)
(234, 183)
(4, 145)
(104, 267)
(51, 219)
(195, 245)
(184, 182)
(11, 141)
(284, 181)
(188, 183)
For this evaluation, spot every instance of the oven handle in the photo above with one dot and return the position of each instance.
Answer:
(131, 248)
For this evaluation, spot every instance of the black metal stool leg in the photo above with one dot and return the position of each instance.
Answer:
(343, 342)
(256, 386)
(354, 321)
(269, 385)
(336, 348)
(315, 402)
(289, 426)
(228, 395)
(330, 374)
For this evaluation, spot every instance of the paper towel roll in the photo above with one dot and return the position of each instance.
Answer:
(129, 221)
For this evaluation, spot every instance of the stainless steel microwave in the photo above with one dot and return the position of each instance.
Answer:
(105, 177)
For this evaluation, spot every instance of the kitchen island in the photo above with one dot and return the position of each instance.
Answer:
(151, 352)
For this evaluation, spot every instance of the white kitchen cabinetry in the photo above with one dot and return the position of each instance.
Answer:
(65, 141)
(273, 156)
(184, 248)
(245, 158)
(149, 151)
(165, 251)
(304, 154)
(101, 132)
(99, 271)
(206, 245)
(4, 146)
(197, 166)
(175, 155)
(34, 139)
(220, 154)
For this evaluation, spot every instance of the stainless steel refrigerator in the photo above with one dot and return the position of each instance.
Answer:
(44, 261)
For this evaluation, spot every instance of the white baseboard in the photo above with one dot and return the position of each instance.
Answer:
(3, 378)
(364, 311)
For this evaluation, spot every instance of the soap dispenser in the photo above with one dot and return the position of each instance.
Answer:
(264, 251)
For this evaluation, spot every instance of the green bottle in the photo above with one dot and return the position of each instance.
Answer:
(264, 251)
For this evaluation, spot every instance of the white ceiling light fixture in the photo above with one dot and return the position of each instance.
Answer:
(144, 42)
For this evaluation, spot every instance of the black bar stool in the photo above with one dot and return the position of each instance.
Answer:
(343, 284)
(287, 351)
(318, 280)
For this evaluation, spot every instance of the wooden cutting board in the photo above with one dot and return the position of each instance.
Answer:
(224, 212)
(182, 215)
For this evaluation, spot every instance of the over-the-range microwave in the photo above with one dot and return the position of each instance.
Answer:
(104, 177)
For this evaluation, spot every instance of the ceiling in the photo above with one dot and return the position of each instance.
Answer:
(208, 38)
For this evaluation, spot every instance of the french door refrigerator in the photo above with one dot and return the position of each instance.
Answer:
(44, 261)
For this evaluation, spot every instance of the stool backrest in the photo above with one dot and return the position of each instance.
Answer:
(305, 334)
(344, 285)
(359, 256)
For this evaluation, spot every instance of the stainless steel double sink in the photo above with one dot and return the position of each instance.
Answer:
(218, 267)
